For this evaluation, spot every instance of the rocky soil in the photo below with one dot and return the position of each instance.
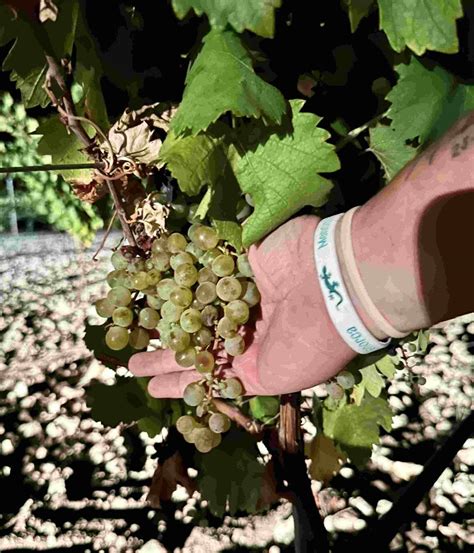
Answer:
(69, 484)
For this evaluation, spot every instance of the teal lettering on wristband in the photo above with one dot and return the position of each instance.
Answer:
(359, 339)
(324, 233)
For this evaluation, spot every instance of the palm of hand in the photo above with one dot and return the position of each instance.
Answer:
(290, 343)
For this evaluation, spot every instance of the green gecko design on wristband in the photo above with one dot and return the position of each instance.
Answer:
(325, 275)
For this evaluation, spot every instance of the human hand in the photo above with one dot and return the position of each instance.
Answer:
(292, 344)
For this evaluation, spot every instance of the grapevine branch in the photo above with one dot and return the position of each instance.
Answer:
(67, 111)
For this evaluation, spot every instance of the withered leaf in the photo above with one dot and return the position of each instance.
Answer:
(167, 476)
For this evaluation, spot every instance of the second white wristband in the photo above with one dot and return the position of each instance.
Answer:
(336, 297)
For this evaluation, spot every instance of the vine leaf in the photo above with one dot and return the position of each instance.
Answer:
(222, 79)
(26, 59)
(326, 458)
(358, 9)
(230, 475)
(282, 173)
(421, 26)
(264, 408)
(194, 161)
(425, 103)
(254, 15)
(356, 428)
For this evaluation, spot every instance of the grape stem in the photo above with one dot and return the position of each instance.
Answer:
(235, 414)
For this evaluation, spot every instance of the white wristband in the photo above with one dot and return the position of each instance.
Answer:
(337, 299)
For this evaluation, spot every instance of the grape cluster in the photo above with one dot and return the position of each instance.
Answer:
(196, 292)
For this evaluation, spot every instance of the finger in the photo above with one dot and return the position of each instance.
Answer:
(173, 385)
(152, 363)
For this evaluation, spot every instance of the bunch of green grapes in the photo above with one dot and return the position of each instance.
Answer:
(197, 293)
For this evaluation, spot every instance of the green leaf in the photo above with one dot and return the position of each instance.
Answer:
(386, 366)
(222, 79)
(358, 9)
(356, 428)
(254, 15)
(425, 103)
(282, 174)
(426, 25)
(194, 161)
(423, 340)
(125, 401)
(63, 147)
(229, 231)
(231, 474)
(95, 341)
(372, 380)
(26, 59)
(264, 407)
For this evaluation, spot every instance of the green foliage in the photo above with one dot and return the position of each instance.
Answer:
(355, 428)
(358, 9)
(282, 173)
(255, 15)
(44, 196)
(222, 79)
(424, 104)
(231, 474)
(264, 408)
(127, 401)
(421, 25)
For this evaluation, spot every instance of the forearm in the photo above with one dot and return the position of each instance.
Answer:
(410, 239)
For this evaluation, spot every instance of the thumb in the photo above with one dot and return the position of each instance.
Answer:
(153, 363)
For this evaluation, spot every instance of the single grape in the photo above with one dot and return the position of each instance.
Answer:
(139, 338)
(233, 388)
(194, 251)
(171, 312)
(223, 265)
(334, 390)
(206, 292)
(188, 437)
(116, 338)
(181, 296)
(250, 294)
(345, 379)
(193, 394)
(139, 280)
(202, 338)
(122, 316)
(176, 242)
(209, 315)
(116, 278)
(185, 424)
(180, 258)
(153, 276)
(196, 304)
(228, 288)
(186, 357)
(237, 311)
(219, 423)
(104, 308)
(204, 362)
(162, 261)
(208, 257)
(159, 245)
(119, 296)
(205, 238)
(190, 320)
(148, 318)
(149, 265)
(203, 440)
(179, 209)
(179, 340)
(186, 275)
(206, 275)
(216, 439)
(192, 218)
(165, 287)
(226, 328)
(234, 346)
(154, 301)
(243, 265)
(118, 260)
